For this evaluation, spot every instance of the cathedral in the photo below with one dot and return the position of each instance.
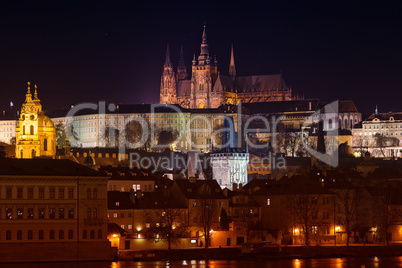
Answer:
(35, 132)
(207, 88)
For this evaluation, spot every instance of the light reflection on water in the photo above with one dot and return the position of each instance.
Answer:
(249, 263)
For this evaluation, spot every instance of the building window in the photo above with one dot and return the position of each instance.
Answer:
(194, 204)
(51, 234)
(61, 213)
(20, 213)
(31, 129)
(41, 234)
(45, 145)
(122, 226)
(30, 234)
(30, 192)
(61, 192)
(41, 213)
(19, 235)
(95, 193)
(9, 192)
(8, 235)
(89, 193)
(147, 225)
(114, 215)
(61, 234)
(70, 192)
(70, 234)
(129, 227)
(121, 215)
(30, 213)
(19, 192)
(221, 204)
(41, 192)
(268, 202)
(9, 213)
(71, 213)
(95, 213)
(92, 234)
(84, 234)
(88, 213)
(99, 234)
(52, 213)
(52, 192)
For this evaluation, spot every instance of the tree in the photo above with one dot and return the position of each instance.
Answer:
(61, 135)
(173, 221)
(387, 211)
(206, 211)
(110, 136)
(166, 137)
(2, 151)
(224, 220)
(380, 142)
(135, 132)
(347, 204)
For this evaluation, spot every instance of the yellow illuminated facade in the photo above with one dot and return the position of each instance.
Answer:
(35, 132)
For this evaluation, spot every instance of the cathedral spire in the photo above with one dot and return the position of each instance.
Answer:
(28, 95)
(36, 94)
(167, 60)
(181, 68)
(232, 67)
(204, 55)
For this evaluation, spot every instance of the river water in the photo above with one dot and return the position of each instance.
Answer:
(250, 263)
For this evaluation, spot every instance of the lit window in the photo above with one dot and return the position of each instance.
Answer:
(268, 202)
(114, 215)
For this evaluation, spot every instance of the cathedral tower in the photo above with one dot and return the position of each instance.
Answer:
(168, 82)
(181, 68)
(232, 68)
(35, 132)
(203, 76)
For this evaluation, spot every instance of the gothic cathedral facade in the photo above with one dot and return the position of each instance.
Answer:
(207, 88)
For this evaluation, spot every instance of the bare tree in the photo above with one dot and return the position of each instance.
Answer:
(110, 136)
(347, 204)
(388, 213)
(380, 142)
(173, 221)
(206, 212)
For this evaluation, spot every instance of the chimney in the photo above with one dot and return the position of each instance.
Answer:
(234, 188)
(240, 186)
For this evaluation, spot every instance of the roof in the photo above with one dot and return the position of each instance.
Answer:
(45, 167)
(126, 173)
(184, 88)
(386, 116)
(280, 107)
(260, 83)
(347, 106)
(200, 189)
(119, 200)
(223, 83)
(113, 228)
(298, 184)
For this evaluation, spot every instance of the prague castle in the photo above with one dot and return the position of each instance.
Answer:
(207, 88)
(35, 132)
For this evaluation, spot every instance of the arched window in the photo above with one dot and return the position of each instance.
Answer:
(92, 234)
(45, 145)
(346, 123)
(61, 234)
(30, 234)
(89, 193)
(19, 235)
(41, 234)
(340, 124)
(99, 234)
(84, 234)
(95, 193)
(23, 130)
(51, 234)
(33, 153)
(88, 213)
(95, 213)
(330, 124)
(70, 234)
(22, 154)
(31, 129)
(8, 235)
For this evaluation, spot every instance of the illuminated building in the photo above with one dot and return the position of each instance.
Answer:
(207, 88)
(52, 210)
(35, 132)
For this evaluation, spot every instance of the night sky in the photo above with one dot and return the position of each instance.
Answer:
(114, 51)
